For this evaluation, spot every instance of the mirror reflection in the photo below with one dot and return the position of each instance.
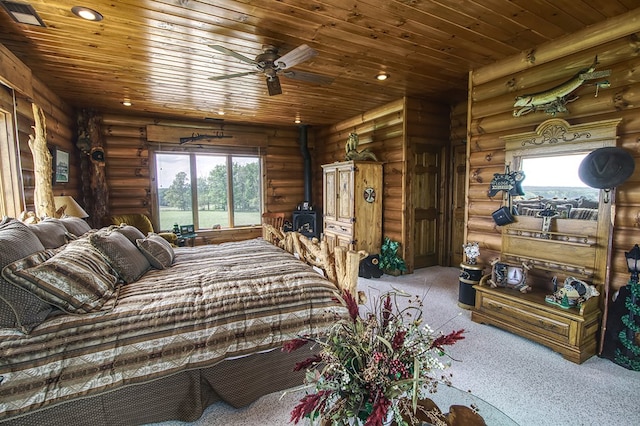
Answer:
(554, 182)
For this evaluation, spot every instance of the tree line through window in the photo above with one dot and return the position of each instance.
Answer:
(208, 190)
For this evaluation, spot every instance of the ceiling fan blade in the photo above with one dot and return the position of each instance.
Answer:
(308, 77)
(296, 56)
(273, 86)
(239, 74)
(224, 50)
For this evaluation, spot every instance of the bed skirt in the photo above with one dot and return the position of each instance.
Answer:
(183, 396)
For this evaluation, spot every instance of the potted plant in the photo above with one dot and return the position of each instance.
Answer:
(390, 262)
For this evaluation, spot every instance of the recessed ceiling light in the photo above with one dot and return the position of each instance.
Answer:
(86, 13)
(127, 103)
(22, 13)
(382, 76)
(221, 112)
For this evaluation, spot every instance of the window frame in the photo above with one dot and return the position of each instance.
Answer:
(11, 188)
(193, 152)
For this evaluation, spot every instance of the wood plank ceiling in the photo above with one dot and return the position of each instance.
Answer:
(157, 54)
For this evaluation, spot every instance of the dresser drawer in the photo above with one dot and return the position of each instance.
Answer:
(525, 317)
(339, 228)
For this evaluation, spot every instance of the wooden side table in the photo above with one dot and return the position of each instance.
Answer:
(470, 275)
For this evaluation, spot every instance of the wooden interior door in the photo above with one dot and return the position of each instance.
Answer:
(426, 204)
(458, 204)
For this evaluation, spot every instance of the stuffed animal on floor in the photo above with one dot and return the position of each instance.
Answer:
(369, 267)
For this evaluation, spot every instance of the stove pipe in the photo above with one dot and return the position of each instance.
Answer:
(307, 167)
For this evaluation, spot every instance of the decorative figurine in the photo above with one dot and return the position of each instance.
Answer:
(574, 293)
(352, 151)
(472, 252)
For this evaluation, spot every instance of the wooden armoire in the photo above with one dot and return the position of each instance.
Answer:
(352, 205)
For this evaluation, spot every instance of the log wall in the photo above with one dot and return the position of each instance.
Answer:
(491, 98)
(127, 165)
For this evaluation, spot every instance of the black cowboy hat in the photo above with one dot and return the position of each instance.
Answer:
(606, 167)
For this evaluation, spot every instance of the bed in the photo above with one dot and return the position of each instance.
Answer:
(167, 344)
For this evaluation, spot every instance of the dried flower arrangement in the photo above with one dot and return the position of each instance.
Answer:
(374, 368)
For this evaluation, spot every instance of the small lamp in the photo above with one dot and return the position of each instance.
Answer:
(633, 262)
(71, 207)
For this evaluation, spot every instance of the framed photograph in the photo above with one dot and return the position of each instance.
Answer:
(60, 166)
(186, 230)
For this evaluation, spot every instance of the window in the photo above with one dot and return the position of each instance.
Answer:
(208, 190)
(556, 177)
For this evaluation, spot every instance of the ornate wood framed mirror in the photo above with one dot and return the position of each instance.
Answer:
(578, 240)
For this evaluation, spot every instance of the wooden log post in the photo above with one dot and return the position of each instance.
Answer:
(43, 192)
(96, 195)
(340, 267)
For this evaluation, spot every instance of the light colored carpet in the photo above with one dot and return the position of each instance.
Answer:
(530, 383)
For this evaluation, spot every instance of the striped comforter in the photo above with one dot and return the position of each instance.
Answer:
(215, 302)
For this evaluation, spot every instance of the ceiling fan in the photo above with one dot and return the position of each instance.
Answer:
(272, 66)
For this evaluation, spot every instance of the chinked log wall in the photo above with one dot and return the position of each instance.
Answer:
(388, 132)
(493, 91)
(127, 165)
(59, 119)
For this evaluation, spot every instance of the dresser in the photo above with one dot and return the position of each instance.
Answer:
(352, 205)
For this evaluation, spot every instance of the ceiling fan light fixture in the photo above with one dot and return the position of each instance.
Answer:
(23, 13)
(86, 13)
(273, 86)
(382, 76)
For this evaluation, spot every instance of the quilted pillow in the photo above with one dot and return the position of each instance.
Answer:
(131, 232)
(28, 315)
(51, 233)
(75, 225)
(18, 308)
(77, 279)
(121, 254)
(157, 250)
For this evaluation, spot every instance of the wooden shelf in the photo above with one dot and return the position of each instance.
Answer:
(552, 266)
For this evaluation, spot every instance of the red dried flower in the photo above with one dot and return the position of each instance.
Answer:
(386, 312)
(294, 344)
(379, 412)
(398, 340)
(352, 305)
(308, 404)
(449, 339)
(302, 365)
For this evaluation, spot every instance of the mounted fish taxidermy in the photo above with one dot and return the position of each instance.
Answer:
(554, 100)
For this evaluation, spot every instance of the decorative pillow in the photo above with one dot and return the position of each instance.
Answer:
(131, 232)
(121, 254)
(510, 275)
(18, 308)
(157, 250)
(75, 225)
(51, 233)
(77, 279)
(29, 311)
